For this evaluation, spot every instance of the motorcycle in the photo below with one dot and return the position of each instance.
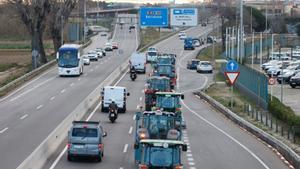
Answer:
(133, 75)
(113, 115)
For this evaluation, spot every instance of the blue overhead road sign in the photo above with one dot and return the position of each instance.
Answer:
(154, 17)
(232, 66)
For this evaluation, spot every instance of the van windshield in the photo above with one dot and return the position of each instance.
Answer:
(84, 132)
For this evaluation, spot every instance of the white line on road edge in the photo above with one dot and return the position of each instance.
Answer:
(31, 89)
(23, 117)
(39, 107)
(52, 98)
(79, 79)
(130, 130)
(227, 135)
(125, 148)
(89, 117)
(3, 130)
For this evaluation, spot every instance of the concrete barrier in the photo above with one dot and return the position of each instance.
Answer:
(49, 146)
(286, 151)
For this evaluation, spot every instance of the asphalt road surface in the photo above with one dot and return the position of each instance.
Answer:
(213, 141)
(32, 112)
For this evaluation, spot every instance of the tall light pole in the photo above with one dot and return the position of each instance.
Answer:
(84, 22)
(241, 31)
(266, 16)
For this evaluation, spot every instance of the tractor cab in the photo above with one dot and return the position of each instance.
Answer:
(169, 101)
(161, 154)
(167, 70)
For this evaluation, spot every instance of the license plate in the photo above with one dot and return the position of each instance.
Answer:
(78, 146)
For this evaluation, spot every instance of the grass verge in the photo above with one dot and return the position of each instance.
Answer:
(206, 54)
(149, 35)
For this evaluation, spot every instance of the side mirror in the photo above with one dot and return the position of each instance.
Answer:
(136, 146)
(104, 134)
(182, 97)
(184, 147)
(128, 94)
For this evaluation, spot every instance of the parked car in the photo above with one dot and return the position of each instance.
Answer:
(192, 64)
(270, 63)
(204, 66)
(115, 45)
(85, 139)
(274, 71)
(86, 60)
(295, 80)
(286, 76)
(103, 34)
(108, 47)
(93, 55)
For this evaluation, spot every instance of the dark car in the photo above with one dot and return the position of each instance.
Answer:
(85, 139)
(131, 27)
(295, 80)
(286, 76)
(203, 24)
(192, 64)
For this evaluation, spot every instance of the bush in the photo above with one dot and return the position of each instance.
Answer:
(283, 112)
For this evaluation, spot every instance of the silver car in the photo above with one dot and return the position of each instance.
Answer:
(86, 60)
(85, 140)
(204, 66)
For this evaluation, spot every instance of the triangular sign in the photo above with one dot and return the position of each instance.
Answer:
(232, 76)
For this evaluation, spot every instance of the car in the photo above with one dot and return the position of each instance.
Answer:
(286, 76)
(181, 33)
(85, 139)
(183, 37)
(99, 52)
(188, 44)
(93, 55)
(108, 47)
(274, 71)
(203, 24)
(211, 39)
(295, 80)
(103, 34)
(86, 60)
(197, 42)
(132, 27)
(102, 50)
(204, 66)
(270, 63)
(192, 64)
(115, 45)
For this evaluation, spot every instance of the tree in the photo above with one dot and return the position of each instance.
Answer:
(33, 14)
(58, 17)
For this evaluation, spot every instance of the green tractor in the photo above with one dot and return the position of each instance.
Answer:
(155, 84)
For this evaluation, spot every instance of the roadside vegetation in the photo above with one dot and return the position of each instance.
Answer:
(206, 53)
(149, 35)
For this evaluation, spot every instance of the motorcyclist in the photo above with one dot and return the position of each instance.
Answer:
(132, 70)
(113, 105)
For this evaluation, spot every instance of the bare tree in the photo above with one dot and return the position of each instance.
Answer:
(59, 14)
(33, 14)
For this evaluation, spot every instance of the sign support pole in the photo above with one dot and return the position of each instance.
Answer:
(232, 95)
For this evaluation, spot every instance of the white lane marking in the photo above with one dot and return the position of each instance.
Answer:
(72, 84)
(134, 116)
(227, 135)
(39, 107)
(25, 85)
(24, 116)
(3, 130)
(52, 98)
(63, 91)
(142, 91)
(91, 70)
(141, 98)
(121, 168)
(190, 159)
(79, 79)
(191, 163)
(192, 167)
(65, 149)
(125, 148)
(130, 130)
(121, 78)
(138, 107)
(101, 63)
(31, 89)
(189, 155)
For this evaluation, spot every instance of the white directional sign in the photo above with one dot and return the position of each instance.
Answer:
(184, 16)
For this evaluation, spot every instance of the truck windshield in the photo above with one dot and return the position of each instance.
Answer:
(167, 102)
(152, 53)
(158, 126)
(165, 60)
(84, 132)
(166, 69)
(68, 59)
(159, 157)
(159, 84)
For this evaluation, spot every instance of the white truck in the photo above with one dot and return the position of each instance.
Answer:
(117, 94)
(151, 54)
(138, 61)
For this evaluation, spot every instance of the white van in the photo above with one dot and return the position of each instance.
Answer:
(138, 61)
(116, 93)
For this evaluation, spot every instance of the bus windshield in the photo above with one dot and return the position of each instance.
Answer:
(68, 59)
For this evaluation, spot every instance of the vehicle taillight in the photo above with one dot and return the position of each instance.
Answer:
(69, 145)
(141, 166)
(100, 146)
(178, 109)
(178, 167)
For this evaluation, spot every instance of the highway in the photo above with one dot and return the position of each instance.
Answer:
(213, 141)
(32, 112)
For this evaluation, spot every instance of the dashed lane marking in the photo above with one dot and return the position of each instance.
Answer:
(3, 130)
(63, 91)
(125, 148)
(39, 107)
(52, 98)
(130, 130)
(24, 116)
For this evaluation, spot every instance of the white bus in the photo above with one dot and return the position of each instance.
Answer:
(70, 60)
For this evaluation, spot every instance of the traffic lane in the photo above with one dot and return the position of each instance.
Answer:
(211, 131)
(56, 113)
(120, 139)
